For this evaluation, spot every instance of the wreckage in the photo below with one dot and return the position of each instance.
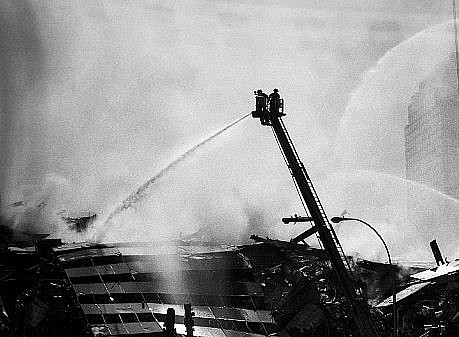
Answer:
(79, 223)
(270, 287)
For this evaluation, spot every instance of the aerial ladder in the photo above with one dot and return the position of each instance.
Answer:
(270, 110)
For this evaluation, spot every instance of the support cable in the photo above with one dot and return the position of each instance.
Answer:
(101, 279)
(108, 291)
(144, 300)
(100, 310)
(213, 313)
(125, 292)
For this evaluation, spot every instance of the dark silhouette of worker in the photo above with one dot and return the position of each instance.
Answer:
(262, 100)
(274, 102)
(262, 106)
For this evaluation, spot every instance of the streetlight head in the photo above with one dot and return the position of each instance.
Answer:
(337, 219)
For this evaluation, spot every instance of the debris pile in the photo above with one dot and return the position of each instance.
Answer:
(427, 299)
(36, 298)
(269, 287)
(79, 223)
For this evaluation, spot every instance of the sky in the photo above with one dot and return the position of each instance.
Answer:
(97, 97)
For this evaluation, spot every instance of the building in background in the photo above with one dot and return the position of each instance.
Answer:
(432, 140)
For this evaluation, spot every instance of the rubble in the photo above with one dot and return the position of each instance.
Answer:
(269, 287)
(79, 223)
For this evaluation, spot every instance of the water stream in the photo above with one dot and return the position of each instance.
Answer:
(142, 191)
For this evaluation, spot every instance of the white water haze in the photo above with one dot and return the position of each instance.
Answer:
(97, 95)
(370, 148)
(381, 199)
(143, 189)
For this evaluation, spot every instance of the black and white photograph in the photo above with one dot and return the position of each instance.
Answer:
(229, 168)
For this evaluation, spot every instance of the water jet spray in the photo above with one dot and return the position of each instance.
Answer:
(141, 192)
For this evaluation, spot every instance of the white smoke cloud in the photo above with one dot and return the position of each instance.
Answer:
(101, 95)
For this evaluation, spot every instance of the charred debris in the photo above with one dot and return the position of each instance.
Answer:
(270, 287)
(79, 223)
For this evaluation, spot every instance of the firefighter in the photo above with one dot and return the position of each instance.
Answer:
(274, 102)
(262, 100)
(261, 106)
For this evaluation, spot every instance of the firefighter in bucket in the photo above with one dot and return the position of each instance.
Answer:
(263, 101)
(261, 107)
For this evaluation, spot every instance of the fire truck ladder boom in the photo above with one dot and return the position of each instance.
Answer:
(272, 116)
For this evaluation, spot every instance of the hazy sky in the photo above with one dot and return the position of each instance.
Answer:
(97, 96)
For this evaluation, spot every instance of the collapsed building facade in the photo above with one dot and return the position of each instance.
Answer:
(269, 287)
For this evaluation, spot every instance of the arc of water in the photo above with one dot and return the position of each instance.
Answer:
(138, 194)
(410, 183)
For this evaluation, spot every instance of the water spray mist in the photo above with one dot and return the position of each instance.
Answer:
(141, 191)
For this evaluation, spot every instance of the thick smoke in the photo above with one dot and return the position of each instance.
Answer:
(25, 181)
(143, 190)
(98, 96)
(22, 63)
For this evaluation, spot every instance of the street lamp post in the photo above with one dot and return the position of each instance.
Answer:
(392, 274)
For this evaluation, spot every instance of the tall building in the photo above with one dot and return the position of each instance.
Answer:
(432, 132)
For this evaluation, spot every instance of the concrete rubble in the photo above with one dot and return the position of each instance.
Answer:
(270, 287)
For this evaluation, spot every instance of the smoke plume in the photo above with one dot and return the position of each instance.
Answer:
(97, 97)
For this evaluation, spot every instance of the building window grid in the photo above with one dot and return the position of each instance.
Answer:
(424, 136)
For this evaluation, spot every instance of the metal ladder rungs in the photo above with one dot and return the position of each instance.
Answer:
(317, 200)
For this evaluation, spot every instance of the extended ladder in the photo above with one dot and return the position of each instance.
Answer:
(316, 199)
(322, 226)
